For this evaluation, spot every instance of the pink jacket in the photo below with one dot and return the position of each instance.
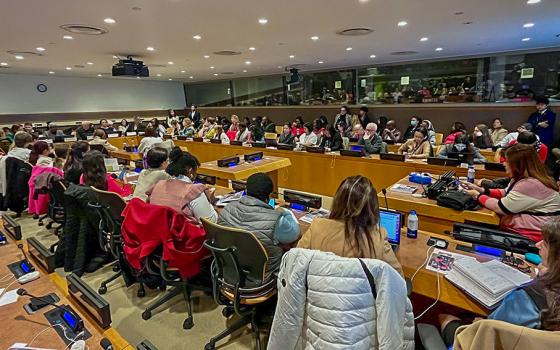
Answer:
(40, 205)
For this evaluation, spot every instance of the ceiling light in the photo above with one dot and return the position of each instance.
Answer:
(292, 56)
(51, 72)
(206, 56)
(41, 49)
(169, 79)
(528, 25)
(263, 20)
(252, 49)
(364, 0)
(279, 67)
(215, 74)
(244, 70)
(532, 2)
(183, 71)
(149, 48)
(170, 63)
(372, 56)
(314, 38)
(348, 49)
(212, 67)
(109, 20)
(402, 23)
(67, 37)
(99, 75)
(247, 62)
(424, 39)
(90, 63)
(18, 57)
(3, 64)
(197, 37)
(115, 56)
(68, 68)
(320, 62)
(137, 77)
(439, 49)
(159, 75)
(191, 77)
(524, 39)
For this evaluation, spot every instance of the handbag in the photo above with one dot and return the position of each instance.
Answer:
(457, 200)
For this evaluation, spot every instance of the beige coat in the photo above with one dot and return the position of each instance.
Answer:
(410, 148)
(498, 135)
(328, 236)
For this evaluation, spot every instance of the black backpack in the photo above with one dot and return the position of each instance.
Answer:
(457, 200)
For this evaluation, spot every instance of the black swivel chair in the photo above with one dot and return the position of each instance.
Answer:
(55, 209)
(238, 277)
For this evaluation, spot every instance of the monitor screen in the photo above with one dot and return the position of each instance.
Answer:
(391, 222)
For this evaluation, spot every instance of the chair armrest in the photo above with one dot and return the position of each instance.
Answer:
(430, 337)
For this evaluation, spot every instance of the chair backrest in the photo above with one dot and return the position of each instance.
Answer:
(114, 203)
(439, 138)
(109, 206)
(239, 256)
(99, 148)
(345, 142)
(56, 193)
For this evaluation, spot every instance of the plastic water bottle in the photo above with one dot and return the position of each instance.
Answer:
(125, 146)
(412, 225)
(470, 174)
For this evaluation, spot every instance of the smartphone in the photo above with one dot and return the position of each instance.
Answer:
(122, 174)
(35, 304)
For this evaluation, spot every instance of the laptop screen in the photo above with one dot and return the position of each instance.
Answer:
(391, 222)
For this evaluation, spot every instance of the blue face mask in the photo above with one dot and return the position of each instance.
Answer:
(413, 122)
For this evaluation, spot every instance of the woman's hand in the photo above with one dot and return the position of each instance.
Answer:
(473, 193)
(473, 187)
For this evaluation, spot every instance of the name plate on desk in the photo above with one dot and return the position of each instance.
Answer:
(141, 133)
(97, 307)
(131, 133)
(112, 135)
(41, 255)
(70, 139)
(89, 137)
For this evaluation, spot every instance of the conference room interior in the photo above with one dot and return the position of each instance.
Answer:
(169, 87)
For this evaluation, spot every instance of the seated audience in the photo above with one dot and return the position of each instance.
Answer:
(52, 131)
(363, 116)
(297, 127)
(180, 192)
(22, 141)
(343, 130)
(242, 134)
(462, 145)
(358, 131)
(150, 140)
(418, 147)
(123, 127)
(431, 132)
(28, 128)
(344, 116)
(526, 138)
(234, 123)
(323, 121)
(414, 124)
(100, 138)
(371, 140)
(208, 129)
(43, 169)
(155, 164)
(391, 134)
(40, 154)
(85, 130)
(268, 125)
(331, 140)
(254, 213)
(498, 132)
(317, 130)
(481, 137)
(95, 174)
(221, 135)
(531, 198)
(512, 136)
(457, 129)
(352, 229)
(136, 125)
(174, 127)
(73, 166)
(158, 127)
(520, 307)
(286, 136)
(188, 128)
(308, 138)
(105, 126)
(256, 133)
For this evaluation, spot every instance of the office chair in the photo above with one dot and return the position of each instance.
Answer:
(55, 209)
(99, 148)
(109, 206)
(238, 278)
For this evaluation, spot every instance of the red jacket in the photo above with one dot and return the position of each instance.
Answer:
(146, 227)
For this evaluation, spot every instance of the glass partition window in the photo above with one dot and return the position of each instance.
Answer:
(259, 91)
(209, 94)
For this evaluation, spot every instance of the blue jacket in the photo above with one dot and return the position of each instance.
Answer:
(546, 135)
(518, 308)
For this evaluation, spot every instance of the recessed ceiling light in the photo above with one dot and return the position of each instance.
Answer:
(197, 37)
(292, 56)
(149, 48)
(206, 56)
(320, 62)
(115, 56)
(372, 56)
(67, 37)
(51, 72)
(279, 67)
(90, 63)
(99, 75)
(528, 25)
(18, 57)
(348, 49)
(41, 49)
(252, 49)
(109, 20)
(439, 49)
(191, 77)
(159, 75)
(314, 38)
(169, 79)
(183, 71)
(137, 77)
(364, 0)
(212, 67)
(424, 39)
(170, 63)
(263, 20)
(532, 2)
(3, 64)
(244, 70)
(524, 39)
(247, 62)
(215, 74)
(68, 68)
(402, 23)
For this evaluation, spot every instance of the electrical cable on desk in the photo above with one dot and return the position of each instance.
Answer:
(8, 286)
(46, 329)
(429, 252)
(4, 279)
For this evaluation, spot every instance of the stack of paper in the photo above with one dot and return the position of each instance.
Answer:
(403, 188)
(487, 282)
(228, 198)
(319, 213)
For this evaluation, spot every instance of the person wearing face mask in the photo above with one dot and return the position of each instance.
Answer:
(512, 136)
(371, 140)
(543, 121)
(418, 147)
(464, 146)
(457, 129)
(481, 137)
(414, 124)
(431, 132)
(180, 192)
(391, 134)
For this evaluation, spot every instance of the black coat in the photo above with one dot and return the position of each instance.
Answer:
(334, 142)
(18, 173)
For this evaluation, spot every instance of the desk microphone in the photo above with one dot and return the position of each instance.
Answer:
(25, 259)
(385, 195)
(79, 322)
(106, 344)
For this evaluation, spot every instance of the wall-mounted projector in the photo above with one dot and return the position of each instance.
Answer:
(130, 67)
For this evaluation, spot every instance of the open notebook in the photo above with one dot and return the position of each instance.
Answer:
(487, 282)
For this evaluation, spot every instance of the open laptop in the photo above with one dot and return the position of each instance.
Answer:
(391, 221)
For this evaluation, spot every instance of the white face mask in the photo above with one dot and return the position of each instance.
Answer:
(413, 122)
(478, 133)
(460, 147)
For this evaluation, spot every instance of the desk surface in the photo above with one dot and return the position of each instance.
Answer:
(18, 326)
(121, 154)
(244, 169)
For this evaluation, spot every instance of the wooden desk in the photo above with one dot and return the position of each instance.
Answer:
(487, 152)
(432, 217)
(18, 326)
(243, 170)
(128, 156)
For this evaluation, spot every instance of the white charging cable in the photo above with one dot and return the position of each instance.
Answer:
(429, 252)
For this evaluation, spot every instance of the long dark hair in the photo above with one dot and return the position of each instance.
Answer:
(95, 173)
(355, 203)
(550, 281)
(524, 162)
(181, 162)
(75, 157)
(38, 148)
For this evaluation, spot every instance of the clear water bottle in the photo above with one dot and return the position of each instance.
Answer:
(412, 225)
(125, 146)
(470, 174)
